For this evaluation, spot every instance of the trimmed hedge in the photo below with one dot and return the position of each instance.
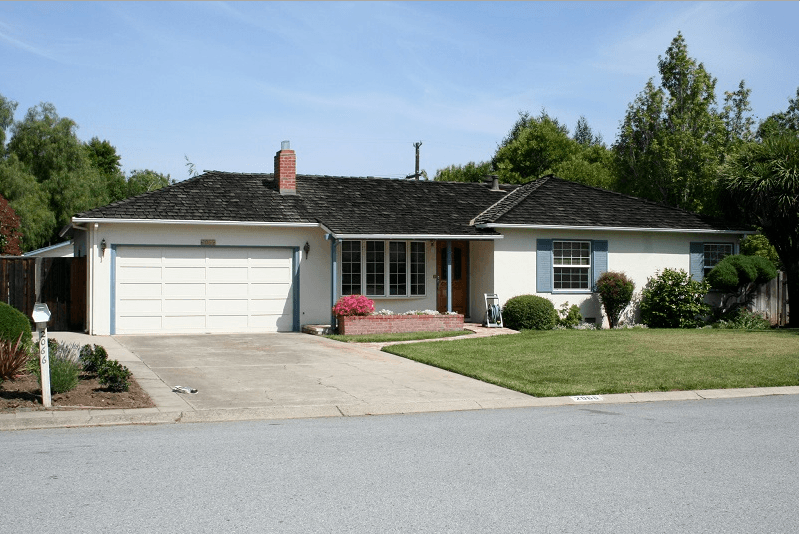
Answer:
(529, 312)
(12, 323)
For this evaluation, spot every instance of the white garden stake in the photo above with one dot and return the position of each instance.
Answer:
(41, 315)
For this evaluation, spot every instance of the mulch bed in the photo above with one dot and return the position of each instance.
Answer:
(23, 393)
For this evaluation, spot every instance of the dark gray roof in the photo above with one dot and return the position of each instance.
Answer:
(552, 201)
(384, 207)
(345, 205)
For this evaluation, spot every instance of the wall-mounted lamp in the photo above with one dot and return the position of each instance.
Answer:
(306, 249)
(103, 247)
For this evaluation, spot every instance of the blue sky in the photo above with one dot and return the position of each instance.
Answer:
(354, 85)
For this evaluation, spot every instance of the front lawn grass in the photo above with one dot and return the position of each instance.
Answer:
(572, 362)
(395, 337)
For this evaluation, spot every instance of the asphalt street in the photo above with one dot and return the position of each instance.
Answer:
(723, 466)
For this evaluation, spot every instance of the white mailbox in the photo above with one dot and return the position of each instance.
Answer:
(41, 315)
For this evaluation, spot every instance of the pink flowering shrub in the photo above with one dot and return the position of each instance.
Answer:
(354, 305)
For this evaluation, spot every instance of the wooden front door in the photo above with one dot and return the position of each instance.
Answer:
(460, 265)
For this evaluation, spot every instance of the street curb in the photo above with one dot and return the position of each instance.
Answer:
(50, 419)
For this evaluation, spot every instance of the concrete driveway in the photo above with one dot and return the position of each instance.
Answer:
(297, 374)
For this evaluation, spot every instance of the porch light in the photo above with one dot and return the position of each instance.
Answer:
(306, 249)
(103, 247)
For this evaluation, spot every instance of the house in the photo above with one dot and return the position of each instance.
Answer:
(234, 252)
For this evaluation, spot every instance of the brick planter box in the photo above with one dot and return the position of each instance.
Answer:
(399, 323)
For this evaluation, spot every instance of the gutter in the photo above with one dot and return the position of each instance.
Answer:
(618, 229)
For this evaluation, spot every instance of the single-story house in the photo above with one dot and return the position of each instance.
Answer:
(235, 252)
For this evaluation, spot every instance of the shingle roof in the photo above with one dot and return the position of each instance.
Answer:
(384, 207)
(552, 201)
(345, 205)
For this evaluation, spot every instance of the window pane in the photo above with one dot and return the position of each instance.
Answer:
(351, 267)
(375, 268)
(397, 268)
(713, 253)
(417, 268)
(571, 253)
(570, 278)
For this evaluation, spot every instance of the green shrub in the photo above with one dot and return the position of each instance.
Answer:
(93, 358)
(529, 312)
(673, 299)
(114, 376)
(13, 358)
(12, 324)
(569, 316)
(64, 366)
(737, 276)
(615, 291)
(743, 319)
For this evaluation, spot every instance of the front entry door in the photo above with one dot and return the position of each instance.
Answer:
(460, 263)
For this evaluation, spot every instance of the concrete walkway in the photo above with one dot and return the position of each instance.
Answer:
(292, 375)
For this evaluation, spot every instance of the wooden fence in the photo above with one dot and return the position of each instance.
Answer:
(772, 300)
(58, 282)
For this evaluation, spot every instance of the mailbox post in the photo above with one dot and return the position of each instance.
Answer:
(41, 315)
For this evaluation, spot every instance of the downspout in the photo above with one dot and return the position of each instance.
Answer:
(334, 276)
(449, 276)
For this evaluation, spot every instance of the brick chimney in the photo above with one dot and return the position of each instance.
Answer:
(286, 170)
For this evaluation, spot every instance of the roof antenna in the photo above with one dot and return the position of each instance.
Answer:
(416, 174)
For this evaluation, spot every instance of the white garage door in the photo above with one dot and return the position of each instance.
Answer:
(202, 289)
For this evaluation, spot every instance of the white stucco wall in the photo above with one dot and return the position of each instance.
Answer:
(481, 261)
(638, 254)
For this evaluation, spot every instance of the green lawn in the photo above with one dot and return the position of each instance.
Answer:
(569, 362)
(395, 337)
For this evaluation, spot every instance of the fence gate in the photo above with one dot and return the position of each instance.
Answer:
(58, 282)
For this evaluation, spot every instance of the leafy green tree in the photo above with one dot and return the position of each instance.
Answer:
(738, 276)
(760, 187)
(144, 180)
(7, 108)
(30, 201)
(103, 156)
(735, 113)
(759, 245)
(584, 135)
(471, 172)
(533, 148)
(672, 138)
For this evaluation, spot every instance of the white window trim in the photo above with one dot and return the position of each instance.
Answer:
(386, 270)
(587, 267)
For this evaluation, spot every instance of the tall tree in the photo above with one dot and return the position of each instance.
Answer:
(533, 148)
(7, 108)
(672, 138)
(144, 180)
(760, 187)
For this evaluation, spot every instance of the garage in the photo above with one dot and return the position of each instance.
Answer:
(172, 289)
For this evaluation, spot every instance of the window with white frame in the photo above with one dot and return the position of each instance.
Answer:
(572, 265)
(713, 253)
(383, 268)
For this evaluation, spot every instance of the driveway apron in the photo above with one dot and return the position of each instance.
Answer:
(237, 371)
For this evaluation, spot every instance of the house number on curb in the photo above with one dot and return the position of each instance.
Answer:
(586, 398)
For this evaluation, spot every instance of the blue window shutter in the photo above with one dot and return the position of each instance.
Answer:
(599, 260)
(544, 266)
(696, 260)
